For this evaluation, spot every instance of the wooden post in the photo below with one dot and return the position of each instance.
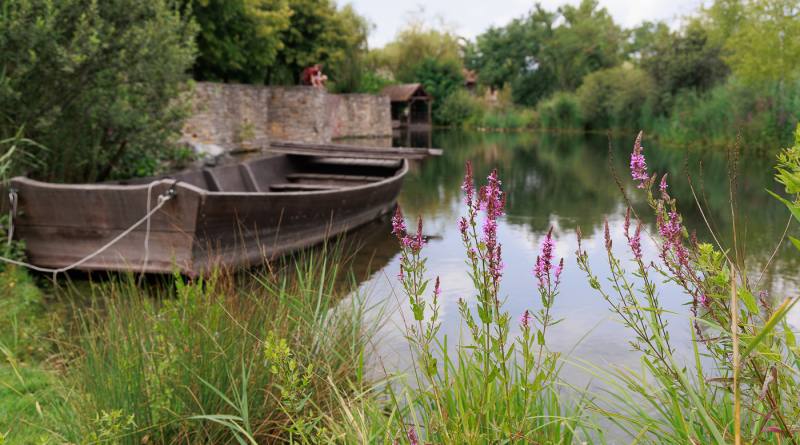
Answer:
(430, 118)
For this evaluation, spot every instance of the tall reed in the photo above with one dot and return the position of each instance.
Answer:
(494, 388)
(216, 359)
(742, 383)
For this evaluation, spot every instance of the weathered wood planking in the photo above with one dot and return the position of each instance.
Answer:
(232, 215)
(352, 151)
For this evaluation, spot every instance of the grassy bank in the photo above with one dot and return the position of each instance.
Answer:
(277, 356)
(223, 359)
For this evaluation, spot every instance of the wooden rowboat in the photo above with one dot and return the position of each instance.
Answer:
(233, 215)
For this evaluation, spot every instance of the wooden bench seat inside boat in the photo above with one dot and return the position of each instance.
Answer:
(286, 173)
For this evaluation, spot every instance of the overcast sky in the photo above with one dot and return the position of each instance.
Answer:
(471, 17)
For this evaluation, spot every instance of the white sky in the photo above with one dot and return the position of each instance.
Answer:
(471, 17)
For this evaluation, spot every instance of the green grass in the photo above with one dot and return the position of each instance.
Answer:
(25, 394)
(222, 359)
(26, 387)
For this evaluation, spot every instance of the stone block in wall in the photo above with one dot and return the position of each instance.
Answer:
(299, 113)
(361, 115)
(232, 116)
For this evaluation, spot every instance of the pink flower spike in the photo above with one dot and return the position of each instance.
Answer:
(525, 319)
(398, 223)
(412, 436)
(544, 262)
(463, 225)
(638, 163)
(419, 230)
(436, 290)
(468, 186)
(557, 271)
(627, 220)
(635, 242)
(607, 236)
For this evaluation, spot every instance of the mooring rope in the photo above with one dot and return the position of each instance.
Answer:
(12, 212)
(162, 199)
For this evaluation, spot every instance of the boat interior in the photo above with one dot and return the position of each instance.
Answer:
(284, 173)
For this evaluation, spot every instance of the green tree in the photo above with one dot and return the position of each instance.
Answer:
(544, 51)
(586, 41)
(441, 78)
(615, 97)
(765, 48)
(318, 33)
(97, 82)
(348, 70)
(644, 41)
(413, 45)
(722, 18)
(687, 59)
(238, 40)
(514, 55)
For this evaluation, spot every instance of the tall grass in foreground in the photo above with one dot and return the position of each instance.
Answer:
(215, 359)
(494, 388)
(750, 393)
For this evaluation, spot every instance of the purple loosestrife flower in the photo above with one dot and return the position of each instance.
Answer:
(670, 228)
(607, 235)
(662, 187)
(627, 220)
(463, 225)
(635, 242)
(525, 319)
(558, 270)
(436, 290)
(416, 242)
(492, 201)
(704, 300)
(468, 186)
(544, 262)
(412, 436)
(671, 232)
(638, 163)
(398, 223)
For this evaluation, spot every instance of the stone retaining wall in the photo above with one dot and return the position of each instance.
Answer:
(248, 116)
(360, 116)
(228, 115)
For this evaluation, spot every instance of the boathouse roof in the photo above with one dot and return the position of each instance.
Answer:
(406, 92)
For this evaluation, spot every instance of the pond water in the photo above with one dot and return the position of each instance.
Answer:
(565, 182)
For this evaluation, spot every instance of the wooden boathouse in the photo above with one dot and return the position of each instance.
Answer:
(411, 106)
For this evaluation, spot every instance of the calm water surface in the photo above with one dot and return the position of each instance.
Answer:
(565, 182)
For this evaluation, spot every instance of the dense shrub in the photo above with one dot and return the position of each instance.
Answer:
(95, 82)
(559, 112)
(441, 78)
(686, 59)
(763, 117)
(460, 108)
(508, 118)
(614, 97)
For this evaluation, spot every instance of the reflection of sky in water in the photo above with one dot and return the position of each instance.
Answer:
(537, 200)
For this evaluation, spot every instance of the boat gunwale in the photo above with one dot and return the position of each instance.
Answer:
(399, 174)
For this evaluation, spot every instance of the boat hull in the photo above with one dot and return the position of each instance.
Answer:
(198, 228)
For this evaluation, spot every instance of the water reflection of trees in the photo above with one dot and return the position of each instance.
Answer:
(567, 179)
